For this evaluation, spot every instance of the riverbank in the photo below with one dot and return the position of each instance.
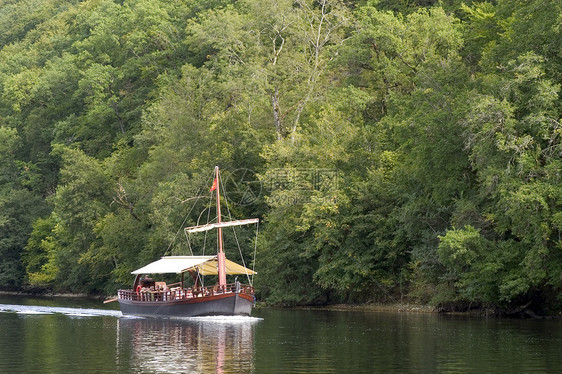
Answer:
(393, 307)
(371, 307)
(429, 309)
(418, 308)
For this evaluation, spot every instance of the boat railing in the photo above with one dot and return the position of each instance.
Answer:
(178, 293)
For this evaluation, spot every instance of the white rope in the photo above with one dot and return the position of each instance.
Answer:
(188, 243)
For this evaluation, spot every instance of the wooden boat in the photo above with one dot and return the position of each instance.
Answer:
(150, 298)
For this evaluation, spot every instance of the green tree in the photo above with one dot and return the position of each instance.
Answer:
(83, 197)
(19, 208)
(512, 137)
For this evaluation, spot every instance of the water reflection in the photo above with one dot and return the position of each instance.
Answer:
(192, 346)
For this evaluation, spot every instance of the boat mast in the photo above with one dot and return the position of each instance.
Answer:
(220, 255)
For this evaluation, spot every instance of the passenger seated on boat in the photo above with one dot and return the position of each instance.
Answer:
(163, 290)
(173, 293)
(176, 293)
(188, 292)
(217, 289)
(147, 282)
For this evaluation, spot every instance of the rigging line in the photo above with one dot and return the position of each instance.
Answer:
(199, 277)
(208, 214)
(188, 242)
(226, 201)
(236, 236)
(184, 220)
(240, 251)
(255, 250)
(198, 221)
(230, 215)
(208, 220)
(221, 186)
(196, 198)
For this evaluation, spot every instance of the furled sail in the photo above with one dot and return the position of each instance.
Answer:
(211, 226)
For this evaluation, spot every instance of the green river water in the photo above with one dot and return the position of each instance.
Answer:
(82, 336)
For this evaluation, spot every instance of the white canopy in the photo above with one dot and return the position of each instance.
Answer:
(206, 265)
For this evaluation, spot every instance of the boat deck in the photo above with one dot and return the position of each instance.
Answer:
(164, 293)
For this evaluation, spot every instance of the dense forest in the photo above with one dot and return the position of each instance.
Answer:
(393, 149)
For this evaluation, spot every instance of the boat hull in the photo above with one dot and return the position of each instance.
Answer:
(229, 304)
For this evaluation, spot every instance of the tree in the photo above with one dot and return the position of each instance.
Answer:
(19, 208)
(82, 198)
(285, 49)
(512, 139)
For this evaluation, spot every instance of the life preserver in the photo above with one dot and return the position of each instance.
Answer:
(139, 288)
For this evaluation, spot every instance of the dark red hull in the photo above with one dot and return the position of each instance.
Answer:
(237, 304)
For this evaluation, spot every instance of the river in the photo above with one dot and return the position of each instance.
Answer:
(82, 336)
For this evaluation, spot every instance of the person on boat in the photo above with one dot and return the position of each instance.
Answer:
(147, 282)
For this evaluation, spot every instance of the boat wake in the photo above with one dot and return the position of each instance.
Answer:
(73, 312)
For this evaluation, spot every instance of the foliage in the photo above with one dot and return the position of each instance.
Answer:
(403, 149)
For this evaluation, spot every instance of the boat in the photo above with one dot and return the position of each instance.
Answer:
(151, 298)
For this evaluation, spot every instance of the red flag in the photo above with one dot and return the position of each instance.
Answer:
(214, 186)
